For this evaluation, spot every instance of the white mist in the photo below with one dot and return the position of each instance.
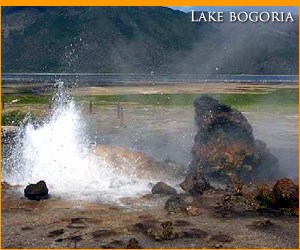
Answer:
(58, 152)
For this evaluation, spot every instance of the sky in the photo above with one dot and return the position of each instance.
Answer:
(292, 9)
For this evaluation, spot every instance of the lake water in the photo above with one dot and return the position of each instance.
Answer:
(144, 79)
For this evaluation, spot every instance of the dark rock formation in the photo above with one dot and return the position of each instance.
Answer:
(195, 184)
(36, 191)
(163, 188)
(286, 193)
(225, 143)
(176, 204)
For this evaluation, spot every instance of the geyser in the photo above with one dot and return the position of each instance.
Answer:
(58, 151)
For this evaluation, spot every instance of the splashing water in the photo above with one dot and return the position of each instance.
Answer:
(58, 152)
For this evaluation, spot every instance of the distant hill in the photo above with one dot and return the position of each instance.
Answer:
(141, 40)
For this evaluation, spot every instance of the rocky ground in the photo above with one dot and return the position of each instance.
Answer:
(59, 223)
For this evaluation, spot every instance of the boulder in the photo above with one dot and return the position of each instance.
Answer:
(286, 193)
(36, 191)
(195, 184)
(176, 204)
(225, 143)
(163, 188)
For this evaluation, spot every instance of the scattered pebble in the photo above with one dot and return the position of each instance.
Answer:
(192, 210)
(133, 244)
(56, 233)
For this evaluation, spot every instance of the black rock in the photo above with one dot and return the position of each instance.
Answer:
(36, 191)
(176, 204)
(163, 188)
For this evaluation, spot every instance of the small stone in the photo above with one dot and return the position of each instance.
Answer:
(133, 244)
(192, 210)
(175, 204)
(262, 224)
(217, 246)
(103, 233)
(26, 228)
(163, 188)
(223, 238)
(78, 220)
(56, 233)
(77, 223)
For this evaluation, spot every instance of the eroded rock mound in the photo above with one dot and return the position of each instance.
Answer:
(225, 143)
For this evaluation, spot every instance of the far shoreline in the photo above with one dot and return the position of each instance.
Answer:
(174, 88)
